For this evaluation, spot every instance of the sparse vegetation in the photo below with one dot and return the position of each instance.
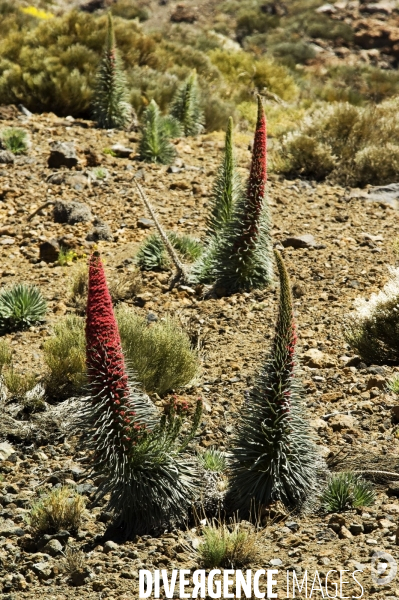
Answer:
(64, 358)
(161, 354)
(152, 254)
(21, 306)
(15, 139)
(155, 145)
(213, 460)
(62, 508)
(5, 355)
(18, 384)
(373, 329)
(227, 546)
(186, 107)
(110, 107)
(66, 256)
(346, 491)
(351, 145)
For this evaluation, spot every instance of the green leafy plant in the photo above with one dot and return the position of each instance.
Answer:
(140, 457)
(243, 259)
(346, 491)
(227, 546)
(18, 384)
(100, 173)
(372, 329)
(152, 254)
(66, 256)
(110, 106)
(274, 456)
(186, 107)
(226, 192)
(213, 460)
(21, 306)
(393, 385)
(64, 359)
(5, 354)
(161, 354)
(155, 145)
(15, 139)
(60, 509)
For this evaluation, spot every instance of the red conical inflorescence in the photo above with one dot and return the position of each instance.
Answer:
(104, 358)
(256, 186)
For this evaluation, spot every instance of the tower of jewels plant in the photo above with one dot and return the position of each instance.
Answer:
(111, 108)
(274, 456)
(243, 259)
(186, 106)
(141, 456)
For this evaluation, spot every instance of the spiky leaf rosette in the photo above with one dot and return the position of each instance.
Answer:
(21, 306)
(141, 459)
(226, 191)
(274, 457)
(111, 108)
(186, 107)
(116, 411)
(160, 479)
(154, 143)
(244, 258)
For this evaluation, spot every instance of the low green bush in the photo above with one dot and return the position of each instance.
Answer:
(373, 329)
(346, 491)
(152, 254)
(160, 355)
(21, 306)
(15, 139)
(60, 509)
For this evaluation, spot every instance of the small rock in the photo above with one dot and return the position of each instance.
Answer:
(326, 9)
(92, 158)
(79, 578)
(144, 223)
(6, 157)
(110, 546)
(276, 562)
(292, 525)
(183, 14)
(100, 232)
(62, 154)
(316, 359)
(376, 381)
(395, 414)
(340, 422)
(6, 450)
(356, 528)
(71, 212)
(53, 548)
(122, 151)
(318, 424)
(49, 251)
(77, 181)
(344, 533)
(393, 489)
(336, 522)
(301, 241)
(42, 570)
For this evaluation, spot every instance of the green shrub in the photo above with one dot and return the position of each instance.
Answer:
(343, 142)
(15, 139)
(155, 145)
(346, 491)
(18, 384)
(186, 107)
(228, 547)
(160, 355)
(373, 329)
(21, 306)
(65, 359)
(292, 53)
(152, 254)
(324, 28)
(110, 106)
(274, 456)
(60, 509)
(213, 460)
(393, 385)
(5, 354)
(130, 10)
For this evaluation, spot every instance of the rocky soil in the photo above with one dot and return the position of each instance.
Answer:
(353, 244)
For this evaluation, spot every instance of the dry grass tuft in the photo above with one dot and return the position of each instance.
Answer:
(229, 546)
(61, 509)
